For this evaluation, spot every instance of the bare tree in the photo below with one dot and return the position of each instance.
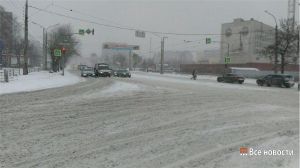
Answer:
(62, 37)
(287, 45)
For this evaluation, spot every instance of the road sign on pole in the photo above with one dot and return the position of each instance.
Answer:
(81, 31)
(88, 31)
(57, 52)
(140, 34)
(227, 60)
(208, 40)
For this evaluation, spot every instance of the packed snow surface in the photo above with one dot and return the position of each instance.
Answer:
(38, 81)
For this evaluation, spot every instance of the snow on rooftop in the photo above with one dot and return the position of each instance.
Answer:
(246, 69)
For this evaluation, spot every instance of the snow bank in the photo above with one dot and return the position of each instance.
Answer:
(38, 81)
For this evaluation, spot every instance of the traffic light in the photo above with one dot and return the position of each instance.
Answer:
(63, 50)
(208, 40)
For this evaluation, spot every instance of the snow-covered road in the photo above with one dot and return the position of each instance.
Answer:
(149, 121)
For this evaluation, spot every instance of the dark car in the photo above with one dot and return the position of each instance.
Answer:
(102, 70)
(231, 78)
(276, 80)
(86, 72)
(122, 73)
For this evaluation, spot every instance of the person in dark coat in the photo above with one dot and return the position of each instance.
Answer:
(194, 74)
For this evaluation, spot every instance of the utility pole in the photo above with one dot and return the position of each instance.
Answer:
(298, 52)
(276, 48)
(150, 47)
(276, 41)
(129, 60)
(162, 55)
(25, 68)
(46, 50)
(227, 55)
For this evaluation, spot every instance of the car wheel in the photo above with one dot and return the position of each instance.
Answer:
(260, 83)
(219, 79)
(241, 82)
(288, 86)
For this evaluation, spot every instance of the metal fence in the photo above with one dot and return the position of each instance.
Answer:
(10, 74)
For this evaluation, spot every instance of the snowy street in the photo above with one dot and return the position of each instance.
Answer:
(149, 121)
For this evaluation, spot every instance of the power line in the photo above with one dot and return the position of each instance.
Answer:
(124, 28)
(85, 14)
(34, 14)
(133, 29)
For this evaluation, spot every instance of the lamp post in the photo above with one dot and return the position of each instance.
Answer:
(276, 39)
(45, 41)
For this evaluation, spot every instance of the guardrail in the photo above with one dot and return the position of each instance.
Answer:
(9, 74)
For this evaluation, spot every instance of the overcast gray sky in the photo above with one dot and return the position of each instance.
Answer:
(178, 16)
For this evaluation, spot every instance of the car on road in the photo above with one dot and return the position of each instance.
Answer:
(280, 80)
(88, 71)
(102, 70)
(122, 73)
(231, 78)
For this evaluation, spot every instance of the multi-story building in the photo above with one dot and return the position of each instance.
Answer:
(6, 35)
(244, 40)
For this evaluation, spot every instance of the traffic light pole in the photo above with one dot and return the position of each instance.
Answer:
(162, 55)
(129, 60)
(227, 54)
(63, 64)
(228, 50)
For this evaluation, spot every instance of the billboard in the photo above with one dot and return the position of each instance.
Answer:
(119, 46)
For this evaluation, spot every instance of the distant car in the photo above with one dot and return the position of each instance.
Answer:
(86, 72)
(122, 73)
(81, 67)
(276, 80)
(231, 78)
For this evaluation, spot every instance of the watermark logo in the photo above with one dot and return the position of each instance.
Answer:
(245, 151)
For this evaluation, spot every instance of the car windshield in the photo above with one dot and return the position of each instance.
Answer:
(104, 67)
(122, 71)
(88, 70)
(231, 75)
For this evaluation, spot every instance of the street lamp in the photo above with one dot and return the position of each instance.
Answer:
(45, 41)
(276, 36)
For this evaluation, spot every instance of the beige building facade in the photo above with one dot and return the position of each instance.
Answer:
(246, 39)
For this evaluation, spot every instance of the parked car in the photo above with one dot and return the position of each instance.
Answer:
(102, 70)
(86, 72)
(277, 80)
(122, 73)
(231, 78)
